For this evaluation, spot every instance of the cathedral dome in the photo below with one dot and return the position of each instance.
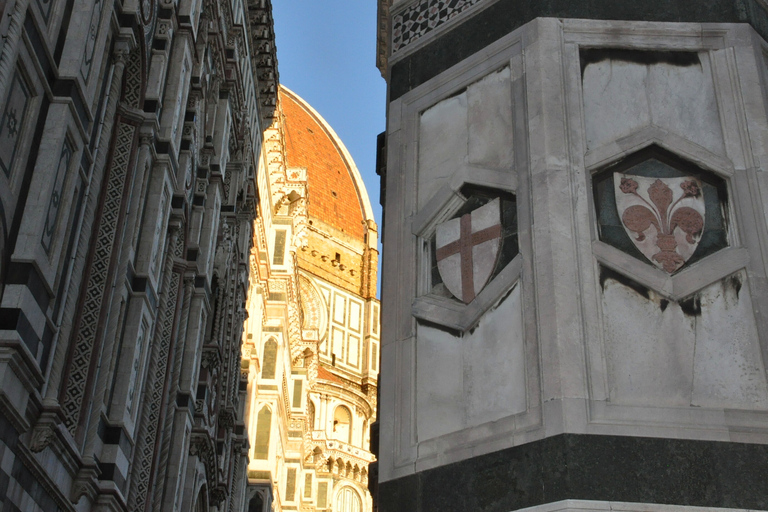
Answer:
(336, 194)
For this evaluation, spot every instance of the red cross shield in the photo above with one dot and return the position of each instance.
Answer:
(468, 249)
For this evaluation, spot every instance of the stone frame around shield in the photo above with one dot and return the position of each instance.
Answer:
(433, 303)
(711, 262)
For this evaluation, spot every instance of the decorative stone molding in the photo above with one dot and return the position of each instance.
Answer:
(42, 434)
(211, 357)
(382, 35)
(86, 483)
(217, 495)
(227, 419)
(201, 446)
(264, 59)
(32, 464)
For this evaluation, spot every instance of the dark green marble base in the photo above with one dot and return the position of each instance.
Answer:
(587, 467)
(504, 16)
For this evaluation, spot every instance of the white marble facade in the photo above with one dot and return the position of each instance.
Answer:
(579, 336)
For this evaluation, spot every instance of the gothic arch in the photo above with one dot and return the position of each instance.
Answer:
(348, 500)
(201, 503)
(342, 424)
(256, 503)
(269, 359)
(263, 432)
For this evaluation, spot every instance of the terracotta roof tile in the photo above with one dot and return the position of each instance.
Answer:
(324, 374)
(333, 196)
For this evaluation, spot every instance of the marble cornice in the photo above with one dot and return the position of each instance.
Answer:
(261, 32)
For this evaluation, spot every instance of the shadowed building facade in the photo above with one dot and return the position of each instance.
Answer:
(130, 137)
(575, 209)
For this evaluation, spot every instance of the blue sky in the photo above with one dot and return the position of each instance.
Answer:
(326, 52)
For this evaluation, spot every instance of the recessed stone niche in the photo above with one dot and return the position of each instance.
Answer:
(661, 209)
(476, 198)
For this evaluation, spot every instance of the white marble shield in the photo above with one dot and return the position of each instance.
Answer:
(664, 217)
(467, 250)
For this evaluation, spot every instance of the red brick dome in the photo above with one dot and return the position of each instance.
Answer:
(335, 190)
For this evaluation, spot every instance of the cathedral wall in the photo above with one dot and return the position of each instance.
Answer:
(585, 331)
(127, 191)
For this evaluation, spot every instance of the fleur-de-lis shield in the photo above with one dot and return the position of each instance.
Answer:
(664, 217)
(468, 249)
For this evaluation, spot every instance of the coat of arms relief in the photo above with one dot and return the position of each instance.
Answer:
(664, 217)
(471, 253)
(468, 250)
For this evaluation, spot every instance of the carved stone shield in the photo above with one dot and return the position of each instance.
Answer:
(468, 249)
(664, 217)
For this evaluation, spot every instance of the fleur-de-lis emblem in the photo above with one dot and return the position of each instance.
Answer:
(664, 217)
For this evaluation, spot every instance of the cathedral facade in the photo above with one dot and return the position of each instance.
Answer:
(130, 140)
(575, 211)
(311, 342)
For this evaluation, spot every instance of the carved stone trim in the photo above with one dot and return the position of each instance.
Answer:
(211, 357)
(41, 476)
(86, 483)
(227, 419)
(201, 446)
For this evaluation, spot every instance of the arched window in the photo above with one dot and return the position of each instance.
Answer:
(311, 414)
(201, 504)
(342, 424)
(269, 360)
(256, 504)
(263, 428)
(348, 501)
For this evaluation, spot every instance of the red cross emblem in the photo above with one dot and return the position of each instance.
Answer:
(468, 249)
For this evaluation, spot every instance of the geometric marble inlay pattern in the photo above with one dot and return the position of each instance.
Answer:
(423, 17)
(133, 79)
(154, 386)
(97, 280)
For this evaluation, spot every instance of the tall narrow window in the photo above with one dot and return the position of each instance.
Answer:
(278, 258)
(308, 485)
(256, 504)
(374, 357)
(322, 495)
(342, 424)
(298, 385)
(270, 359)
(263, 428)
(290, 485)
